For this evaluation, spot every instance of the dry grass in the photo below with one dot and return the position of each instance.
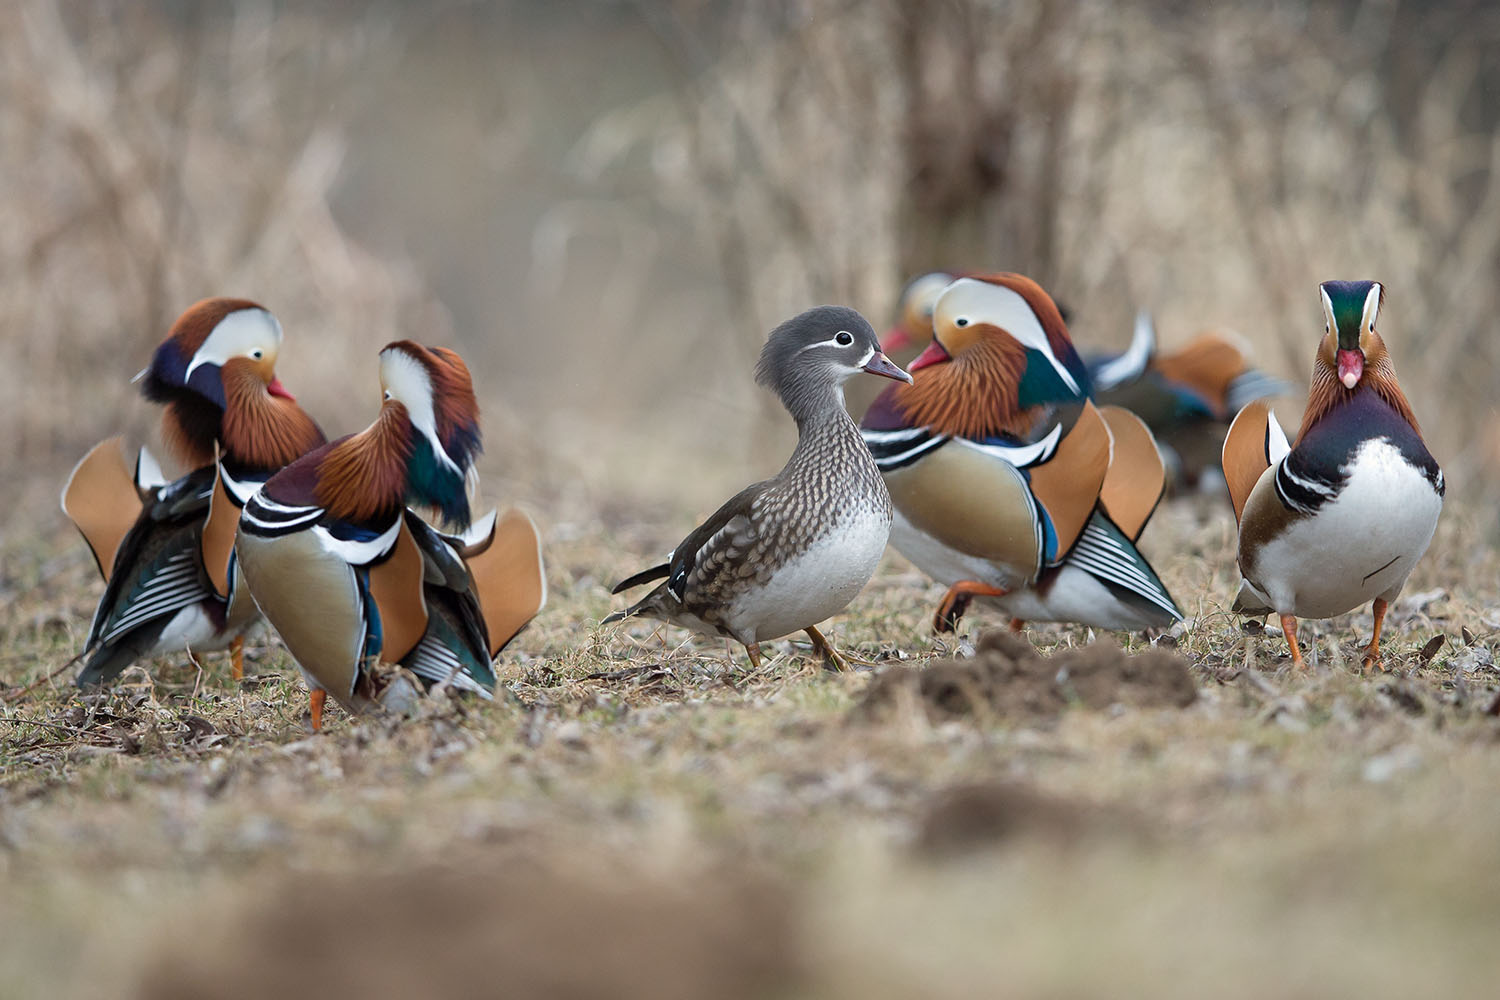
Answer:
(645, 802)
(646, 816)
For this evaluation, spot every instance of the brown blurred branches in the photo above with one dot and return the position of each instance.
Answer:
(1213, 163)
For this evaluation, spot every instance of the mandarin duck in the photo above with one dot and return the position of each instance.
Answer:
(786, 553)
(166, 549)
(1187, 397)
(350, 578)
(913, 327)
(1008, 483)
(1340, 516)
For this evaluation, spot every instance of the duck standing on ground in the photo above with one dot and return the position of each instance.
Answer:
(350, 578)
(166, 549)
(1340, 516)
(787, 553)
(1008, 483)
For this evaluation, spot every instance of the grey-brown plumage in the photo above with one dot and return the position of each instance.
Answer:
(788, 552)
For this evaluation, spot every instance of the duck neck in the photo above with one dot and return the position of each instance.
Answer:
(822, 424)
(261, 432)
(362, 479)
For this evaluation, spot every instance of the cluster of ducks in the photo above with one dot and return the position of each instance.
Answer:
(1001, 464)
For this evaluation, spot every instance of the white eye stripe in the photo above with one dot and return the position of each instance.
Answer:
(1372, 306)
(831, 342)
(244, 332)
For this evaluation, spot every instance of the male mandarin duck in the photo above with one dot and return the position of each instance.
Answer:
(1008, 483)
(166, 549)
(787, 553)
(1340, 516)
(350, 578)
(914, 311)
(1187, 397)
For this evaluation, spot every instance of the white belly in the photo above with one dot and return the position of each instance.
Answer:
(1360, 546)
(191, 628)
(947, 565)
(1079, 597)
(816, 585)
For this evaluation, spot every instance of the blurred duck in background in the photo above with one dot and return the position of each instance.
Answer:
(373, 603)
(1340, 516)
(1187, 396)
(786, 553)
(166, 550)
(1008, 484)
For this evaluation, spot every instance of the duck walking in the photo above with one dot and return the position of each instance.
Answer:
(1008, 483)
(1339, 517)
(166, 549)
(787, 553)
(350, 578)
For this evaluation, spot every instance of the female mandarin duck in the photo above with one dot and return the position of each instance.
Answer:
(350, 578)
(1342, 515)
(1187, 397)
(1008, 483)
(166, 550)
(786, 553)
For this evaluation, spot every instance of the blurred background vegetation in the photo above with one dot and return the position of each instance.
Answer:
(604, 205)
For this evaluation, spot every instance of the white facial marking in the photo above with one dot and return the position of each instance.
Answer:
(405, 380)
(981, 302)
(244, 333)
(1372, 308)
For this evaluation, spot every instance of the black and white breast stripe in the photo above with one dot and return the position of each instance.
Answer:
(1304, 491)
(268, 519)
(895, 449)
(1109, 556)
(175, 586)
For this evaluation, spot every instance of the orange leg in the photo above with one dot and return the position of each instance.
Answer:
(1372, 651)
(315, 700)
(956, 602)
(831, 658)
(754, 650)
(1289, 626)
(237, 657)
(1016, 626)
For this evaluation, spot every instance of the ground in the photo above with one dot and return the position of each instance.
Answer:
(645, 816)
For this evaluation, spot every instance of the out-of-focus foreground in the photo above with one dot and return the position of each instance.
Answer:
(605, 207)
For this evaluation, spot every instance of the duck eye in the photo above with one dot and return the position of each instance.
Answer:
(961, 321)
(386, 394)
(845, 338)
(256, 354)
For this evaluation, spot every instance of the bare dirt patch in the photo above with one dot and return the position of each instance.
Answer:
(1008, 679)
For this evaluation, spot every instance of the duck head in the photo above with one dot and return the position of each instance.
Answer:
(914, 311)
(216, 371)
(1350, 309)
(807, 359)
(430, 392)
(1000, 352)
(1352, 356)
